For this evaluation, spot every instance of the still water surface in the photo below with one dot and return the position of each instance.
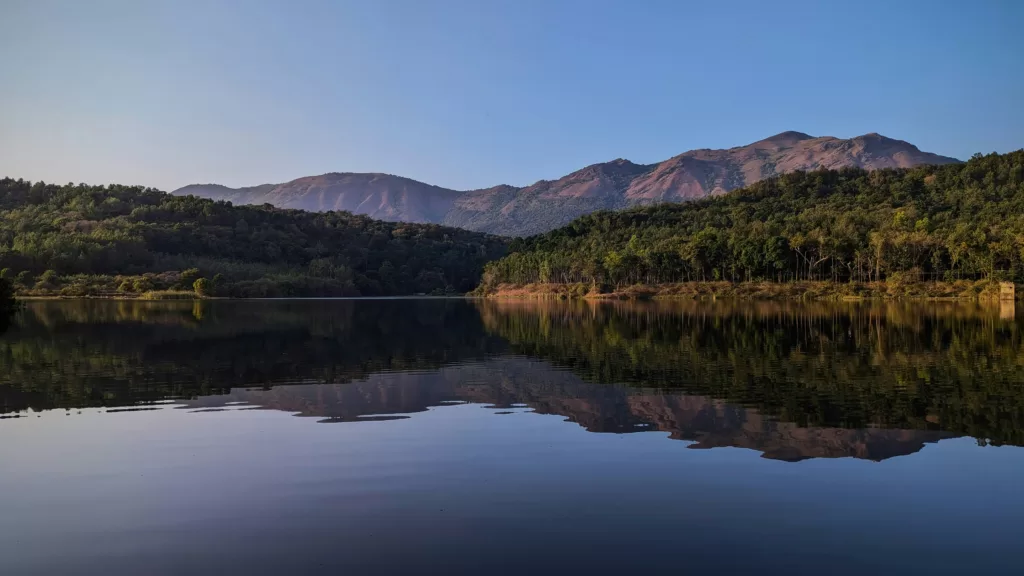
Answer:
(469, 437)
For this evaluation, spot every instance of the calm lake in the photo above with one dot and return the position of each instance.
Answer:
(483, 437)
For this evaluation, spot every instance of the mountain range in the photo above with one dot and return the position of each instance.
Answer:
(548, 204)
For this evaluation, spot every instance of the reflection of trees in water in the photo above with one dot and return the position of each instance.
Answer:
(8, 305)
(96, 353)
(942, 366)
(947, 367)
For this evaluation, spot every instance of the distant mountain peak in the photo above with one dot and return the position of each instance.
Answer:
(789, 136)
(876, 137)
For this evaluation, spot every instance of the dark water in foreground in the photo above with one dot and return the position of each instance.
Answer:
(511, 438)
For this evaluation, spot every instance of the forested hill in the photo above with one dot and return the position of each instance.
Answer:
(79, 239)
(930, 222)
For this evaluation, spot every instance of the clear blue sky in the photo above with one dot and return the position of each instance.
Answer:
(475, 93)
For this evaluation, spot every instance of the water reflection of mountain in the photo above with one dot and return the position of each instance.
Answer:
(507, 383)
(843, 378)
(954, 367)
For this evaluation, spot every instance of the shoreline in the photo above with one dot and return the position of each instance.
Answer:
(155, 296)
(961, 290)
(39, 298)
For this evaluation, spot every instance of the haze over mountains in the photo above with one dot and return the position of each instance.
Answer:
(548, 204)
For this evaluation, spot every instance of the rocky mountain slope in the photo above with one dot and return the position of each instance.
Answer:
(380, 196)
(548, 204)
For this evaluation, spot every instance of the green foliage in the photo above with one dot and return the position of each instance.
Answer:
(950, 222)
(48, 279)
(216, 283)
(201, 287)
(189, 278)
(109, 239)
(142, 285)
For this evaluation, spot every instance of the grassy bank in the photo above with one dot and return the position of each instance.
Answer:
(958, 290)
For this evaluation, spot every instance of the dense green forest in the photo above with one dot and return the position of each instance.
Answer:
(79, 239)
(951, 222)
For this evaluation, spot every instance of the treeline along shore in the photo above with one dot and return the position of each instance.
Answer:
(947, 231)
(764, 290)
